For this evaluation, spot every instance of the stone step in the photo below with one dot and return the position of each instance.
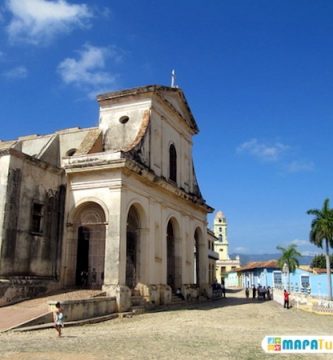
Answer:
(137, 301)
(136, 310)
(176, 299)
(136, 292)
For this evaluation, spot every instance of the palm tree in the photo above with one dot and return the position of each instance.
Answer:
(322, 232)
(289, 257)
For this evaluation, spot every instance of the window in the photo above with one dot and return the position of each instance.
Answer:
(220, 229)
(305, 281)
(123, 119)
(277, 279)
(37, 218)
(220, 238)
(173, 163)
(70, 152)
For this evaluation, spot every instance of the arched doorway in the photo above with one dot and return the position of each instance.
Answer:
(174, 258)
(90, 228)
(133, 248)
(82, 258)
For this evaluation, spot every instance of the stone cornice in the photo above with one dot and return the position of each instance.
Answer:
(104, 161)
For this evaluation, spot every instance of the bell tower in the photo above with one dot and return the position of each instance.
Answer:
(220, 231)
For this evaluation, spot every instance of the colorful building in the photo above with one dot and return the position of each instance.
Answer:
(259, 273)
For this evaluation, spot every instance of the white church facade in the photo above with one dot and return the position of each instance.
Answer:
(119, 202)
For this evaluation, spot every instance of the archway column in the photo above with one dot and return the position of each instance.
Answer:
(115, 252)
(115, 244)
(69, 258)
(145, 259)
(178, 261)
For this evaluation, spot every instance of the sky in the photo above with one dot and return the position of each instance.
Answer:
(258, 76)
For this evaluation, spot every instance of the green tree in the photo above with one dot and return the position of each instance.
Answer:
(289, 256)
(322, 233)
(319, 261)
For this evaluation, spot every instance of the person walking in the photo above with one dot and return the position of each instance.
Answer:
(223, 289)
(286, 299)
(254, 292)
(247, 292)
(58, 318)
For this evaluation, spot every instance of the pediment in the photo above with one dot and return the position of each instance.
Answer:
(175, 98)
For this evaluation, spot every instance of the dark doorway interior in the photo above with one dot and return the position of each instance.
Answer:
(196, 258)
(82, 262)
(131, 260)
(171, 266)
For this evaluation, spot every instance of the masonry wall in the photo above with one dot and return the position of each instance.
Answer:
(4, 166)
(24, 250)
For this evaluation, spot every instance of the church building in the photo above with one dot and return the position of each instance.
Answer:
(117, 206)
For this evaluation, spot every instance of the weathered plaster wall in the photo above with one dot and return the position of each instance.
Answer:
(32, 145)
(24, 252)
(149, 138)
(4, 166)
(120, 134)
(166, 129)
(71, 139)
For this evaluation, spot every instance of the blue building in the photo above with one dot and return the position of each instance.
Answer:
(306, 280)
(258, 273)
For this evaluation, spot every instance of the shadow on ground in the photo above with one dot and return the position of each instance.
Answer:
(233, 298)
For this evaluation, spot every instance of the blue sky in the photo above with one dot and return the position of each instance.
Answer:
(258, 76)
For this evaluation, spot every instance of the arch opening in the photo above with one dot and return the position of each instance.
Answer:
(90, 229)
(133, 234)
(174, 258)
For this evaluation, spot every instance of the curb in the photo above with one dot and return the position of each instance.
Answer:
(71, 323)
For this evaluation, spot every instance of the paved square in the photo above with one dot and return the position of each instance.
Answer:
(230, 328)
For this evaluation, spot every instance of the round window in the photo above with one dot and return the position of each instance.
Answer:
(123, 119)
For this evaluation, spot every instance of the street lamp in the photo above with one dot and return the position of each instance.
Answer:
(285, 270)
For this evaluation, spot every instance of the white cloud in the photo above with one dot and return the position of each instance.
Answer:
(240, 250)
(38, 21)
(262, 151)
(300, 166)
(87, 72)
(19, 72)
(300, 242)
(309, 253)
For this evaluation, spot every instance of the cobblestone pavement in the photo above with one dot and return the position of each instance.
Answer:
(230, 328)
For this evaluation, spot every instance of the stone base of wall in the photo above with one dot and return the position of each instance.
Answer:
(75, 310)
(15, 289)
(161, 294)
(122, 294)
